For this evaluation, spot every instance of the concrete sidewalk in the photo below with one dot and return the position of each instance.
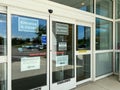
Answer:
(108, 83)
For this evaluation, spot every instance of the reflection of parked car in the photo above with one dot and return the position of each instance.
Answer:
(39, 47)
(42, 47)
(31, 46)
(82, 46)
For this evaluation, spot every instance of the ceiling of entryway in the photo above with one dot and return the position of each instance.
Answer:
(73, 3)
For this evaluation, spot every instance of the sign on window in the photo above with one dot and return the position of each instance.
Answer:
(28, 24)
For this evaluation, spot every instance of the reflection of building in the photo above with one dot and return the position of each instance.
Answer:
(2, 49)
(87, 33)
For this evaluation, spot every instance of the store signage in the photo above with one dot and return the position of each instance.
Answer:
(44, 39)
(62, 29)
(28, 24)
(30, 63)
(62, 46)
(61, 60)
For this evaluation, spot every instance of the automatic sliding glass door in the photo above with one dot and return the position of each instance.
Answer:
(62, 56)
(29, 53)
(83, 51)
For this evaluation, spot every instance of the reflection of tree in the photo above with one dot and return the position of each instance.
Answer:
(36, 40)
(1, 40)
(18, 41)
(41, 30)
(27, 40)
(81, 41)
(84, 43)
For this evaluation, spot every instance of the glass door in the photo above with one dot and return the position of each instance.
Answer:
(83, 52)
(62, 56)
(29, 53)
(3, 51)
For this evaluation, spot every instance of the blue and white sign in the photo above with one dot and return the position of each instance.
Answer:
(44, 39)
(27, 24)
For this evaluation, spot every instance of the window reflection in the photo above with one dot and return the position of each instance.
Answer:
(117, 36)
(117, 6)
(104, 63)
(103, 34)
(26, 38)
(83, 67)
(104, 8)
(83, 37)
(117, 61)
(62, 52)
(2, 34)
(3, 81)
(29, 59)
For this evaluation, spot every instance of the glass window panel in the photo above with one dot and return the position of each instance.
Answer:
(3, 31)
(117, 61)
(104, 63)
(117, 8)
(62, 52)
(3, 80)
(104, 8)
(83, 37)
(83, 67)
(29, 52)
(85, 5)
(118, 35)
(104, 34)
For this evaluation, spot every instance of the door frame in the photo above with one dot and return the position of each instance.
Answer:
(90, 52)
(19, 11)
(67, 84)
(4, 58)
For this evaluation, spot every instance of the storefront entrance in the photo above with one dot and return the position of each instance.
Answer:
(39, 55)
(45, 52)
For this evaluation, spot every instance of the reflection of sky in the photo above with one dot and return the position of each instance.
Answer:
(102, 11)
(103, 26)
(2, 25)
(98, 30)
(84, 8)
(83, 32)
(103, 23)
(23, 34)
(80, 32)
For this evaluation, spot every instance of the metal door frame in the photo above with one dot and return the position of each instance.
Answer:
(68, 84)
(17, 11)
(90, 52)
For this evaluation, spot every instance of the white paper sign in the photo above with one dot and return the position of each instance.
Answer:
(61, 60)
(62, 29)
(27, 24)
(62, 46)
(30, 63)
